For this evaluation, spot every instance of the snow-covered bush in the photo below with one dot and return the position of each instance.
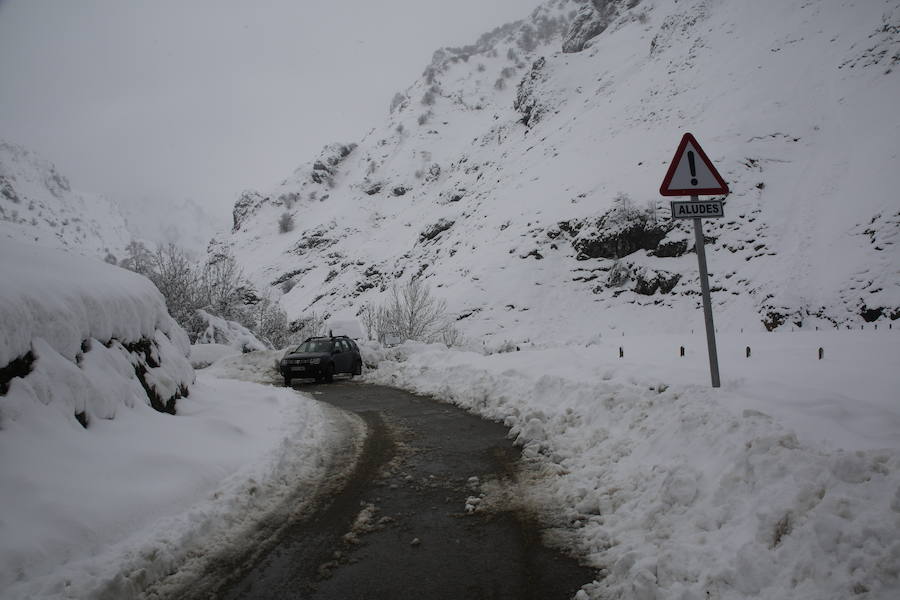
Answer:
(216, 330)
(213, 301)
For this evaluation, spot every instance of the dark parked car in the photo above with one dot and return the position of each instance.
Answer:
(321, 358)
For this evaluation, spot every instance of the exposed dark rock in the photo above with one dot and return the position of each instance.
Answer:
(591, 20)
(618, 233)
(373, 278)
(311, 239)
(433, 173)
(570, 227)
(56, 183)
(871, 314)
(372, 187)
(7, 190)
(432, 231)
(248, 203)
(289, 275)
(325, 167)
(20, 367)
(648, 282)
(144, 355)
(773, 320)
(674, 244)
(399, 190)
(526, 101)
(468, 313)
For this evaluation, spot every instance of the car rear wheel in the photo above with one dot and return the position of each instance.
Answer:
(357, 368)
(287, 382)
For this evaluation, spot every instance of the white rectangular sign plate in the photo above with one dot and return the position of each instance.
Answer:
(704, 209)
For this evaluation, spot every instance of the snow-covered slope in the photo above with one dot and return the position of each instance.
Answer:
(38, 205)
(522, 181)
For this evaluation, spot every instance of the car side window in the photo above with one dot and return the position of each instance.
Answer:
(342, 346)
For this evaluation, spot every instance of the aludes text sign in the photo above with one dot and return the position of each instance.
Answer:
(698, 210)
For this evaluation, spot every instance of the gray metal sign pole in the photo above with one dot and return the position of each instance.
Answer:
(707, 301)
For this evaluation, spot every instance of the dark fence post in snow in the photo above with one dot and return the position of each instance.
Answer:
(682, 351)
(821, 353)
(621, 352)
(748, 351)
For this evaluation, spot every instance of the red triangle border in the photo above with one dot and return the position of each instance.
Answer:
(667, 180)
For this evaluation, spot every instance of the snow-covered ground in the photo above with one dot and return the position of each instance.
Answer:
(104, 491)
(112, 509)
(782, 484)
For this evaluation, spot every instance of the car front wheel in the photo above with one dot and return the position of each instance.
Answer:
(329, 374)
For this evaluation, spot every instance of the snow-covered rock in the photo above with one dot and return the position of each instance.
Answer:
(84, 338)
(514, 141)
(216, 330)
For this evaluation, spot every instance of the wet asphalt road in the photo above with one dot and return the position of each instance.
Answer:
(399, 528)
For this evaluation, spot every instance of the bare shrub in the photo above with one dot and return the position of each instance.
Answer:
(175, 275)
(452, 337)
(269, 322)
(221, 287)
(286, 222)
(411, 312)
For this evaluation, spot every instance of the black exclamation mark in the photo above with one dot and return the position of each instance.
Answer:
(693, 167)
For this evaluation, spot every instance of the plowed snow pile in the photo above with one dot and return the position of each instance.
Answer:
(784, 483)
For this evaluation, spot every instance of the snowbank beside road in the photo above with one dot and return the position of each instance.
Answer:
(114, 509)
(783, 484)
(84, 337)
(103, 493)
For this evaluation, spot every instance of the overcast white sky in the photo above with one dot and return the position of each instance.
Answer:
(201, 99)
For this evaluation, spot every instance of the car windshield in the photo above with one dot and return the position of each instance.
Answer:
(314, 346)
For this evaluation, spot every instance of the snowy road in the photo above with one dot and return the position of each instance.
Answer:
(401, 528)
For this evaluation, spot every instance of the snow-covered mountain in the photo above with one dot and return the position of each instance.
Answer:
(37, 204)
(520, 175)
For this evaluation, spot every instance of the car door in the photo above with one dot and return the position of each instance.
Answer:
(343, 358)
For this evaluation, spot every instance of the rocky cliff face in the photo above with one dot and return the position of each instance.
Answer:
(519, 176)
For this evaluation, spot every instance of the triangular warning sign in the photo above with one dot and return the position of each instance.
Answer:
(692, 173)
